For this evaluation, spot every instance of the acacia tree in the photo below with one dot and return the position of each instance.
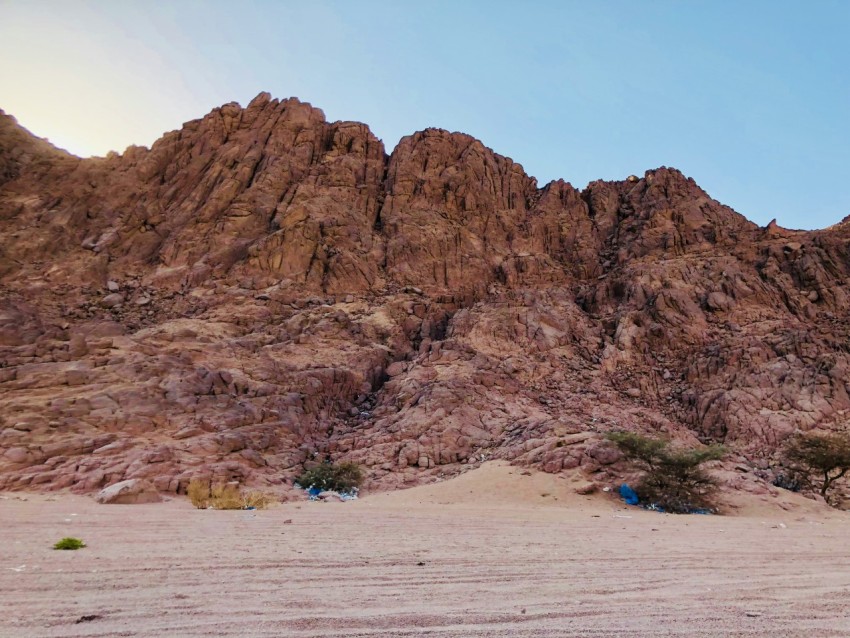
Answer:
(820, 458)
(672, 476)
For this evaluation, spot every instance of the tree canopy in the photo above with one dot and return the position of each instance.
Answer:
(673, 477)
(820, 457)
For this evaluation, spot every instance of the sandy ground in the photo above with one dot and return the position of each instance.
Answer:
(492, 553)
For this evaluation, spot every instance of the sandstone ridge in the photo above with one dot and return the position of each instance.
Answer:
(263, 288)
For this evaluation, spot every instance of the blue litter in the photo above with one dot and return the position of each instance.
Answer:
(314, 492)
(628, 495)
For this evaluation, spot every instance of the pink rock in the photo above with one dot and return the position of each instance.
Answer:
(129, 492)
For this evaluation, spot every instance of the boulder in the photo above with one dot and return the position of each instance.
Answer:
(129, 492)
(585, 488)
(112, 300)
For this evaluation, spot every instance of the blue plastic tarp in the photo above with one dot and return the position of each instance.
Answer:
(629, 495)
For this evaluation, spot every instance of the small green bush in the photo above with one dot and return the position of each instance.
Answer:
(329, 476)
(69, 543)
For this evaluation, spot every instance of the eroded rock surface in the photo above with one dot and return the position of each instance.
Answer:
(129, 492)
(263, 288)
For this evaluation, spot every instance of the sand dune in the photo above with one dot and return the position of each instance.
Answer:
(492, 553)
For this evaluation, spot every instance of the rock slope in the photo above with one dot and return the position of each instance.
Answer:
(263, 288)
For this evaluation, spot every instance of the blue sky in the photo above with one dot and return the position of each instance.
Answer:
(750, 98)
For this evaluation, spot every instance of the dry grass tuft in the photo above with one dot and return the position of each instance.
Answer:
(258, 500)
(226, 497)
(199, 494)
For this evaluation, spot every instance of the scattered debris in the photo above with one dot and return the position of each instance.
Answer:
(87, 618)
(317, 494)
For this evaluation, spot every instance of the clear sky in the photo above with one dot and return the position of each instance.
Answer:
(749, 97)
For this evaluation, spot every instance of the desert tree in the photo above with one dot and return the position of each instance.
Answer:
(673, 477)
(820, 458)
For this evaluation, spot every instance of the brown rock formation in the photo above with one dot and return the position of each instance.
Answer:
(262, 288)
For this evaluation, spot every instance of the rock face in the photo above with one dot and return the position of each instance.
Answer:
(264, 288)
(129, 492)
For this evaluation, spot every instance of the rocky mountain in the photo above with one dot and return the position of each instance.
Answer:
(264, 288)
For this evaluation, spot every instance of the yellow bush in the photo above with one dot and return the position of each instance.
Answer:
(226, 497)
(258, 500)
(199, 494)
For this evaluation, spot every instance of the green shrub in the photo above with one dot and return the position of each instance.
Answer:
(672, 476)
(69, 543)
(328, 476)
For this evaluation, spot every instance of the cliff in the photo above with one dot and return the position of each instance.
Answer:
(262, 288)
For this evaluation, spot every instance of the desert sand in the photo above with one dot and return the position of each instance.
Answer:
(496, 552)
